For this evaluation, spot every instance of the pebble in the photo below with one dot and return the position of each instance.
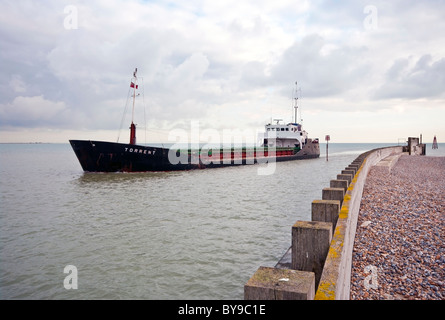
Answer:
(365, 224)
(402, 220)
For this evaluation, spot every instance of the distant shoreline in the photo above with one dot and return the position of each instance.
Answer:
(30, 143)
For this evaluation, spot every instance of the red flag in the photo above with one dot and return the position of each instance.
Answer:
(132, 85)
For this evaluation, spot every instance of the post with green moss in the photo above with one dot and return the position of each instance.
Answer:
(310, 246)
(333, 194)
(280, 284)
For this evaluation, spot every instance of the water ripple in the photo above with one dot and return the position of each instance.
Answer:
(182, 235)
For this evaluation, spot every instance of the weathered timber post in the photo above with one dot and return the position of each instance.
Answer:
(280, 284)
(355, 165)
(347, 177)
(326, 211)
(333, 194)
(348, 172)
(339, 184)
(310, 246)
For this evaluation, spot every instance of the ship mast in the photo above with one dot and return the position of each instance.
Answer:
(133, 126)
(296, 102)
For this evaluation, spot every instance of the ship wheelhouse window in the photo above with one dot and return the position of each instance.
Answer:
(282, 129)
(287, 129)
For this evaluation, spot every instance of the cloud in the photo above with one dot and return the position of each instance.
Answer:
(322, 69)
(17, 84)
(412, 78)
(33, 111)
(223, 63)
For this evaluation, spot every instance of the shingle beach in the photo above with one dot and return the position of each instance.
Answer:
(399, 249)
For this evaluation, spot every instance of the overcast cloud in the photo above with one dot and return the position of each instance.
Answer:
(368, 71)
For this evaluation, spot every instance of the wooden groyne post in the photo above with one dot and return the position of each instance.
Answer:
(318, 263)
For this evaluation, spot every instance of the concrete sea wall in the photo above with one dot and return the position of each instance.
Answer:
(318, 263)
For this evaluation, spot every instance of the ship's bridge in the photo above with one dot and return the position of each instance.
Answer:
(284, 135)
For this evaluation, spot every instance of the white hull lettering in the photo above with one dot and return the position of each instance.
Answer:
(140, 151)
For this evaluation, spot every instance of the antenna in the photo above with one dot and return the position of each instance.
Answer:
(134, 85)
(132, 126)
(296, 101)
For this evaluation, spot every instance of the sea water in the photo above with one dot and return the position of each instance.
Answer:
(201, 234)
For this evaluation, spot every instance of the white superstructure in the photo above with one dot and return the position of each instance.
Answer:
(281, 135)
(289, 135)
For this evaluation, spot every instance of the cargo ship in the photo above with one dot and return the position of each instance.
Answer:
(279, 142)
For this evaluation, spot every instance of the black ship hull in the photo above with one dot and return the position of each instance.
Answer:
(100, 156)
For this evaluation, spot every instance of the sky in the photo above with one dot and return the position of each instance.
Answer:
(366, 71)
